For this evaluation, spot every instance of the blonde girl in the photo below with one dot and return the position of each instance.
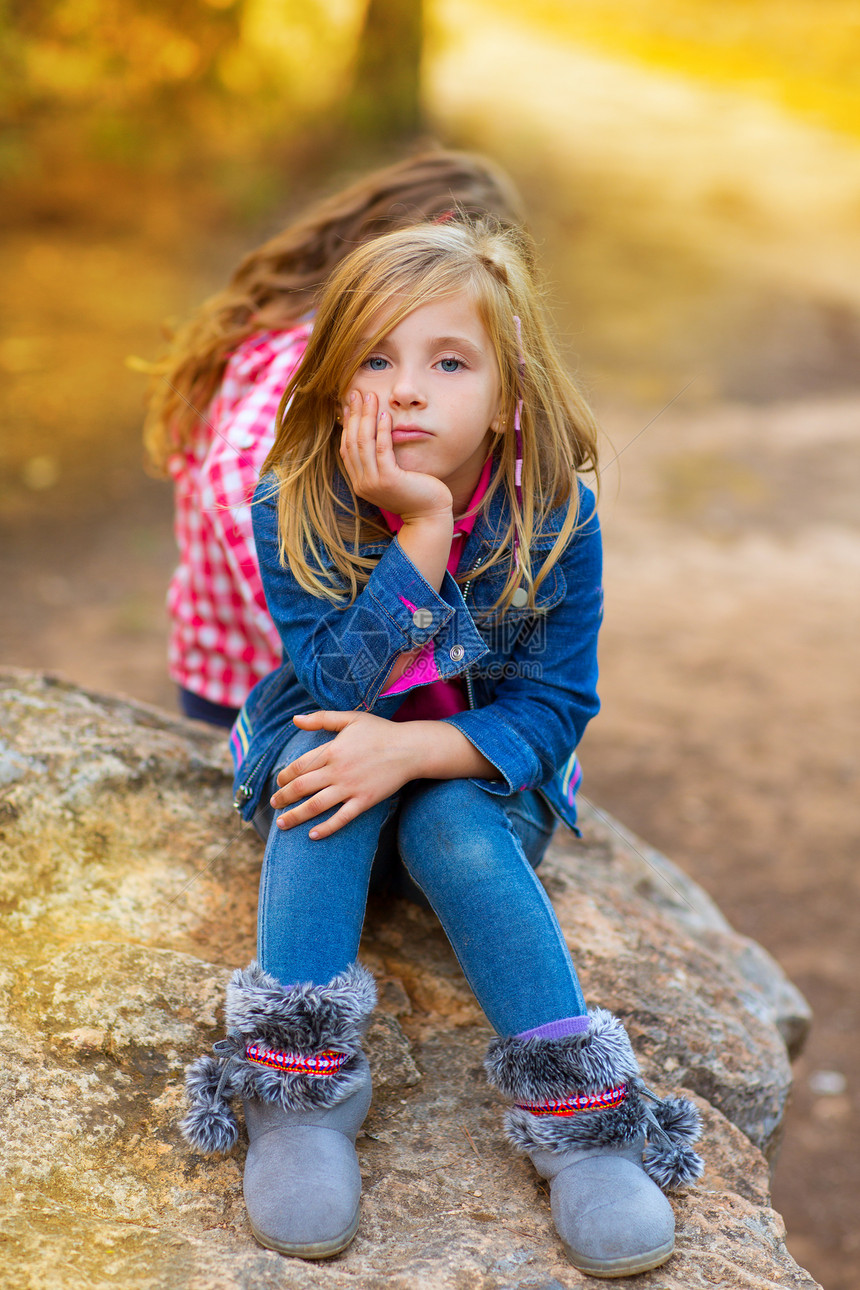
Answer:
(213, 404)
(432, 563)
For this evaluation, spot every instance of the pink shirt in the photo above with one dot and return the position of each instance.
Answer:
(222, 638)
(435, 698)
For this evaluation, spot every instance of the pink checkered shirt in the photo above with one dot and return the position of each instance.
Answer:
(222, 639)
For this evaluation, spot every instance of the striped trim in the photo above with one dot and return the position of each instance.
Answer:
(240, 739)
(605, 1101)
(325, 1063)
(571, 778)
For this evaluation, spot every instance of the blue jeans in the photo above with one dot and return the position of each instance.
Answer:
(471, 853)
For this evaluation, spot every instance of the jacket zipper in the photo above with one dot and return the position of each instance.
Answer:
(467, 676)
(244, 792)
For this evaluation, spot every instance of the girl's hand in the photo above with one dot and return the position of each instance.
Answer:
(368, 457)
(368, 760)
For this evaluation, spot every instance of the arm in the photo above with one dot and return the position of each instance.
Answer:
(427, 543)
(368, 760)
(343, 654)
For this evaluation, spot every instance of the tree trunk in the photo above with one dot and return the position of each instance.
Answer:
(384, 102)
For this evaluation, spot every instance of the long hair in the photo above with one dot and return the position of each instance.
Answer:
(274, 285)
(495, 265)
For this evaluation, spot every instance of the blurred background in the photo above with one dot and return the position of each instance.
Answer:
(692, 171)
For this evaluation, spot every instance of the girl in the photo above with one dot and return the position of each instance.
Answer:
(434, 686)
(233, 361)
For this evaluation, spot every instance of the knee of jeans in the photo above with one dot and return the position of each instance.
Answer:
(447, 804)
(443, 829)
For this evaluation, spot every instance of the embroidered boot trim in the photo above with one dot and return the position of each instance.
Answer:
(324, 1063)
(606, 1100)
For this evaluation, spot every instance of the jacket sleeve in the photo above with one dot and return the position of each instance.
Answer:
(549, 691)
(342, 655)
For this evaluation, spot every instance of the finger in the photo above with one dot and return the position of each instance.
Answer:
(347, 813)
(310, 760)
(384, 446)
(351, 418)
(366, 439)
(328, 718)
(324, 800)
(302, 786)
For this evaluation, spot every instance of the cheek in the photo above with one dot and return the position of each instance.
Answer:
(369, 383)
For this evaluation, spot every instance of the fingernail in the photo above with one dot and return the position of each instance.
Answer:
(368, 397)
(352, 395)
(313, 834)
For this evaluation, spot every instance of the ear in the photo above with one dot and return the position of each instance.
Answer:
(497, 425)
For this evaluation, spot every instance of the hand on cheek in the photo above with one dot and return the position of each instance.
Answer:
(367, 452)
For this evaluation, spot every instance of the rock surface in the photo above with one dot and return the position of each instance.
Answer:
(129, 894)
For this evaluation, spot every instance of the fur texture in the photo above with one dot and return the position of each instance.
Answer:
(616, 1128)
(210, 1124)
(532, 1070)
(674, 1163)
(537, 1070)
(305, 1019)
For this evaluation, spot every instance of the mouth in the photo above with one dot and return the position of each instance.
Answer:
(401, 434)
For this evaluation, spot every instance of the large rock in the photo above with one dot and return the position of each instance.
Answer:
(129, 891)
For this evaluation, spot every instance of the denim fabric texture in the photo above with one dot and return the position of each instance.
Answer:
(531, 676)
(472, 854)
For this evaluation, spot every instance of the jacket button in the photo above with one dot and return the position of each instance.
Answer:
(456, 652)
(423, 618)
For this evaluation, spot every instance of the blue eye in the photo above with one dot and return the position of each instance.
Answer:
(371, 363)
(450, 364)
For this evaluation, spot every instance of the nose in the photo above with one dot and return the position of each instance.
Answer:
(406, 390)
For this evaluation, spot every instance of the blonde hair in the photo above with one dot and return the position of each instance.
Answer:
(495, 265)
(274, 285)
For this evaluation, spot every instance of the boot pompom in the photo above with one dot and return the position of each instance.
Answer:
(669, 1157)
(678, 1117)
(210, 1124)
(672, 1167)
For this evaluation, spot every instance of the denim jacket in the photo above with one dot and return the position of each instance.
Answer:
(530, 677)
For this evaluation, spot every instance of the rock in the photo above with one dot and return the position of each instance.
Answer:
(129, 891)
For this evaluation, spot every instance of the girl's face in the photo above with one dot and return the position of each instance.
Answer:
(437, 374)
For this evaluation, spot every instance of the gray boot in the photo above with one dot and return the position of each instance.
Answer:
(582, 1116)
(294, 1057)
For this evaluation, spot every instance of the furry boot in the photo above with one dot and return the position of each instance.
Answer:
(294, 1057)
(582, 1116)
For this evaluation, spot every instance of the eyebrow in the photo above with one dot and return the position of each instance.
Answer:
(455, 342)
(438, 342)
